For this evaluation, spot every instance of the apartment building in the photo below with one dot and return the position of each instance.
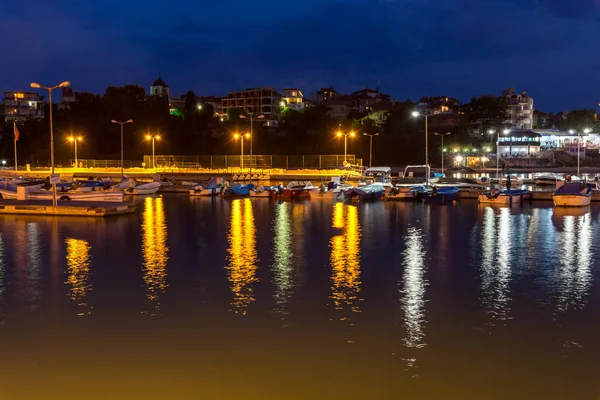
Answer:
(519, 109)
(262, 100)
(22, 106)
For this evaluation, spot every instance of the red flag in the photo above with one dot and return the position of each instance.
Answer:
(16, 130)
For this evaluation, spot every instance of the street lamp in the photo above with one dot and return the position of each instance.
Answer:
(241, 137)
(345, 134)
(370, 135)
(129, 121)
(441, 135)
(586, 131)
(199, 106)
(50, 89)
(153, 138)
(427, 172)
(74, 140)
(251, 118)
(491, 132)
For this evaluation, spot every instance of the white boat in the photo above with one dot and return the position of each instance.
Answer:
(545, 179)
(262, 191)
(377, 176)
(143, 189)
(297, 190)
(572, 194)
(504, 197)
(214, 187)
(405, 193)
(330, 190)
(100, 196)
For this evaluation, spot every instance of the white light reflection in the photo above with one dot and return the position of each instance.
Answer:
(282, 255)
(574, 274)
(496, 269)
(413, 288)
(34, 262)
(345, 261)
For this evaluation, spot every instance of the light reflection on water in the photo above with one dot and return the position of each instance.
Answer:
(495, 270)
(413, 288)
(2, 273)
(345, 261)
(155, 251)
(282, 268)
(78, 268)
(241, 271)
(574, 270)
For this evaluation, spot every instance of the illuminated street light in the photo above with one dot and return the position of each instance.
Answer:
(241, 137)
(441, 135)
(199, 106)
(50, 89)
(345, 135)
(370, 135)
(251, 118)
(74, 140)
(427, 172)
(153, 138)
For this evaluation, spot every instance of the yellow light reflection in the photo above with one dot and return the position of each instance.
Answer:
(78, 268)
(495, 271)
(2, 272)
(241, 271)
(413, 290)
(154, 250)
(574, 275)
(282, 255)
(345, 260)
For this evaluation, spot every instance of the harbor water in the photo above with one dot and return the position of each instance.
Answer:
(210, 298)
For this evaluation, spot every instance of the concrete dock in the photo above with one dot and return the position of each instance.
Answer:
(65, 208)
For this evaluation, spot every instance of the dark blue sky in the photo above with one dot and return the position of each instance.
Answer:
(459, 48)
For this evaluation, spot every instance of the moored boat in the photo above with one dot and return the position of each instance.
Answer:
(213, 187)
(403, 193)
(143, 189)
(377, 176)
(297, 190)
(545, 179)
(365, 193)
(572, 194)
(333, 190)
(445, 195)
(504, 197)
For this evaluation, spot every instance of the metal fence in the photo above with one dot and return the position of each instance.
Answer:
(320, 161)
(106, 163)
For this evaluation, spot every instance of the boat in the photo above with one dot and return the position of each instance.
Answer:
(330, 190)
(297, 190)
(214, 187)
(377, 176)
(402, 193)
(572, 194)
(9, 187)
(238, 190)
(504, 197)
(545, 179)
(100, 196)
(143, 189)
(444, 195)
(365, 193)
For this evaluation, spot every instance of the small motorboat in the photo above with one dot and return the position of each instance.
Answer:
(573, 194)
(238, 190)
(214, 187)
(143, 189)
(444, 195)
(505, 197)
(333, 190)
(545, 179)
(365, 193)
(297, 190)
(403, 193)
(377, 176)
(266, 192)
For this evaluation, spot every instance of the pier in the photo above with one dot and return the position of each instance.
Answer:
(65, 208)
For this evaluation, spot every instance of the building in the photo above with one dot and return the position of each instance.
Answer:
(519, 109)
(325, 94)
(519, 143)
(438, 105)
(262, 100)
(294, 98)
(339, 108)
(541, 120)
(22, 106)
(365, 99)
(159, 88)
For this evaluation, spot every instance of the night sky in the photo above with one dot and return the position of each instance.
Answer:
(459, 48)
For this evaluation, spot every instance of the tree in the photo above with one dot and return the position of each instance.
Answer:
(579, 120)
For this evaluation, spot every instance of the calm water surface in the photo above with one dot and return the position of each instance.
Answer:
(210, 298)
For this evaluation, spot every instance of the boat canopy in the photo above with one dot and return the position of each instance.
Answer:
(571, 188)
(378, 170)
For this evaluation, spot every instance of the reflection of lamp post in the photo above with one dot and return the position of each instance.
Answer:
(50, 89)
(153, 138)
(241, 137)
(442, 136)
(370, 135)
(122, 123)
(345, 134)
(251, 118)
(417, 114)
(74, 140)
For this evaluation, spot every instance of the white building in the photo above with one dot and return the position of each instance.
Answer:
(22, 106)
(160, 88)
(520, 109)
(293, 98)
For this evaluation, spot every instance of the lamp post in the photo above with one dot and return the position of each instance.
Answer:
(586, 131)
(153, 138)
(129, 121)
(241, 137)
(50, 89)
(370, 135)
(74, 140)
(427, 172)
(441, 135)
(345, 134)
(251, 118)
